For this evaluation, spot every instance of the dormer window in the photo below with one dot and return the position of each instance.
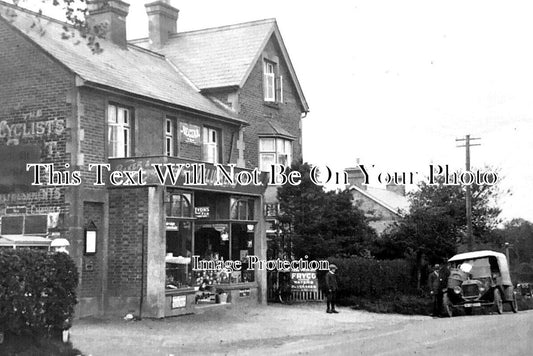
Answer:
(272, 82)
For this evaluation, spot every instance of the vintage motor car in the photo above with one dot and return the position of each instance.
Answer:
(479, 279)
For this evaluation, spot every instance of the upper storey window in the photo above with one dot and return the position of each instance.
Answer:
(274, 151)
(211, 145)
(272, 82)
(119, 131)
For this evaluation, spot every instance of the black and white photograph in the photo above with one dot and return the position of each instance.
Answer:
(292, 177)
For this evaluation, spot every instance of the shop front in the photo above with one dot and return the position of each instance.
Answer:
(205, 235)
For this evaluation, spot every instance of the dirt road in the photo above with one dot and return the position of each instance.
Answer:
(306, 329)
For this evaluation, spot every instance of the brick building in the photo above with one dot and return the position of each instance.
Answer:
(227, 95)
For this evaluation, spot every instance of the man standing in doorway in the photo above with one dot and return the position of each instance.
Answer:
(331, 289)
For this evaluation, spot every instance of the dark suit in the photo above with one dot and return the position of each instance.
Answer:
(331, 290)
(434, 286)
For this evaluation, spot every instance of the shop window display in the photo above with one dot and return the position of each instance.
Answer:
(242, 245)
(178, 257)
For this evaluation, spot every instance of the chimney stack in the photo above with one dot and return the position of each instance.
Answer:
(397, 188)
(162, 22)
(113, 14)
(356, 177)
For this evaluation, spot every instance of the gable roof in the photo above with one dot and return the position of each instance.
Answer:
(391, 201)
(224, 56)
(133, 70)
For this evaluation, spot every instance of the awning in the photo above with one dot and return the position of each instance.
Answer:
(24, 241)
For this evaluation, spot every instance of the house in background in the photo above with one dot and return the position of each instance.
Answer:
(382, 206)
(227, 95)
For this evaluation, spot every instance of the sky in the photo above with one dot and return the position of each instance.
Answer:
(394, 83)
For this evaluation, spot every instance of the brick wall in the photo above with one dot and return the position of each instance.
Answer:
(91, 275)
(254, 109)
(35, 109)
(128, 213)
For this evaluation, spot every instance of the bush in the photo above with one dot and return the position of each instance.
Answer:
(369, 278)
(37, 292)
(402, 304)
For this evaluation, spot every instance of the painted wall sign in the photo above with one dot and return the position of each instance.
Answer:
(178, 301)
(304, 281)
(43, 194)
(13, 177)
(190, 134)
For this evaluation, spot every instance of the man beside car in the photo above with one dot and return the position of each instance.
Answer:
(434, 285)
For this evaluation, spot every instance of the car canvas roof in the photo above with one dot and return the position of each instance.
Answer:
(502, 261)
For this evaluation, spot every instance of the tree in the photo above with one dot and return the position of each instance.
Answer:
(519, 234)
(324, 224)
(75, 12)
(436, 223)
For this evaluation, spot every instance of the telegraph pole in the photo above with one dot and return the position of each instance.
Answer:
(467, 145)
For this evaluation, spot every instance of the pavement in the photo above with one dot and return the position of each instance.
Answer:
(227, 330)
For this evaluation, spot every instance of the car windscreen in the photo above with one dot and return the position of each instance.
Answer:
(480, 267)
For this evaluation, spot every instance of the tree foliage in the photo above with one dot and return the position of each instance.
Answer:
(436, 221)
(324, 224)
(519, 234)
(78, 28)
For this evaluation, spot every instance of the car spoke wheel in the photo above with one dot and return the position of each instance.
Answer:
(447, 305)
(498, 301)
(514, 304)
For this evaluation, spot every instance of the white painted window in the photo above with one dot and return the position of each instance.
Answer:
(269, 80)
(274, 151)
(210, 145)
(169, 137)
(119, 131)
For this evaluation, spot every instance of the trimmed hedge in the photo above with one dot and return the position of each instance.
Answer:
(369, 278)
(37, 292)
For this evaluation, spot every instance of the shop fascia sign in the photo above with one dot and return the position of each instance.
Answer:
(176, 172)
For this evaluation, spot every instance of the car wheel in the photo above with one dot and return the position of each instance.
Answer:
(468, 311)
(514, 304)
(447, 305)
(498, 301)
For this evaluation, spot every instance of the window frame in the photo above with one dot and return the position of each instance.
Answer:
(118, 129)
(277, 151)
(170, 136)
(207, 132)
(269, 81)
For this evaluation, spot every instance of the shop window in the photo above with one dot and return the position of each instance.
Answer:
(24, 225)
(274, 151)
(178, 254)
(242, 209)
(119, 131)
(179, 205)
(242, 245)
(211, 145)
(272, 83)
(169, 137)
(217, 206)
